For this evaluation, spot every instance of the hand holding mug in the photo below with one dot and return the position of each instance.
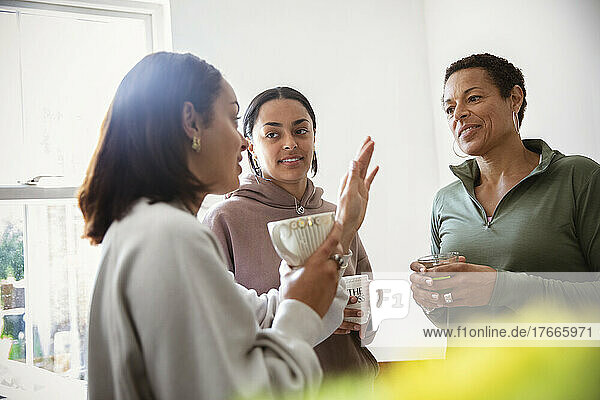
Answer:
(347, 327)
(456, 284)
(296, 239)
(316, 283)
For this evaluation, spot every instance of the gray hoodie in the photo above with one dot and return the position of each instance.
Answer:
(240, 224)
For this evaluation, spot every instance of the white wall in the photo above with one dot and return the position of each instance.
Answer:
(377, 68)
(363, 68)
(555, 43)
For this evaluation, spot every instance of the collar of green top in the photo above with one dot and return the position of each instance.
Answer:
(468, 171)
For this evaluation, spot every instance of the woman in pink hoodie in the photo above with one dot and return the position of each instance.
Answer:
(280, 126)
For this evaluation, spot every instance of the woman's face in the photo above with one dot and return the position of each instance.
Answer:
(217, 163)
(283, 140)
(479, 118)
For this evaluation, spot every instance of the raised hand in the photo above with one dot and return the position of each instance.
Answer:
(353, 195)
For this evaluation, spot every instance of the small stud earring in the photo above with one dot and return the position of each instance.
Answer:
(196, 146)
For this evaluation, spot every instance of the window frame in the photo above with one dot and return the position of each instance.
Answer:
(157, 15)
(156, 12)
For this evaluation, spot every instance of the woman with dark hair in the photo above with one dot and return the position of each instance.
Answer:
(517, 209)
(167, 320)
(280, 125)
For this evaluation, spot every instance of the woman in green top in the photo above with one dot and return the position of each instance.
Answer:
(518, 206)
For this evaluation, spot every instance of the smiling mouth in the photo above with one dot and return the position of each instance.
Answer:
(290, 160)
(468, 130)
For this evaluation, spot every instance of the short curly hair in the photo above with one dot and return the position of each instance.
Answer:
(504, 74)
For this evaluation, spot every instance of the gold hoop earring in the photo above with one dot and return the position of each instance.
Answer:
(516, 123)
(196, 146)
(457, 155)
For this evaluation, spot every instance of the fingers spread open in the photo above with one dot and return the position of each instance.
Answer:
(363, 158)
(361, 147)
(371, 176)
(343, 184)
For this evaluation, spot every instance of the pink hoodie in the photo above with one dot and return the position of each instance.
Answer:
(240, 224)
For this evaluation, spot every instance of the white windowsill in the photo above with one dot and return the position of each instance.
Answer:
(19, 381)
(26, 192)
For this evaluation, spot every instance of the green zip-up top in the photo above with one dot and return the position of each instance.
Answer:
(548, 222)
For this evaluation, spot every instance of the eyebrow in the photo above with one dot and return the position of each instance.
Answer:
(273, 124)
(299, 121)
(280, 125)
(465, 92)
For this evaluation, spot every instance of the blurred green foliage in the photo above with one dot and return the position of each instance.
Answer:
(11, 253)
(480, 373)
(17, 350)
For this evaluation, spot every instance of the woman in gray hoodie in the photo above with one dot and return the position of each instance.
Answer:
(280, 125)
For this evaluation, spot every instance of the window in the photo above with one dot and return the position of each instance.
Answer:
(46, 276)
(59, 68)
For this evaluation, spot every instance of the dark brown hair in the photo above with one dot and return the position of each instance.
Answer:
(503, 74)
(142, 147)
(280, 92)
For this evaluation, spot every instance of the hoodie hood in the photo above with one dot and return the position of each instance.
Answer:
(266, 192)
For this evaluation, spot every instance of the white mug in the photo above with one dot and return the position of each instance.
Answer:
(296, 239)
(358, 286)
